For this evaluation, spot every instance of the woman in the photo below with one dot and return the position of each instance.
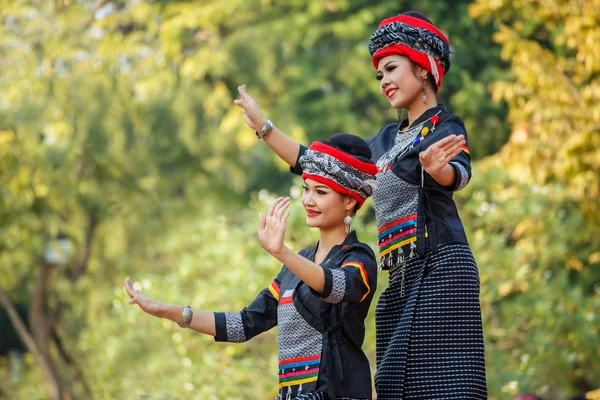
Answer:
(428, 320)
(321, 296)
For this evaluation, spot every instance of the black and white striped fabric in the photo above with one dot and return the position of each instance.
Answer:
(430, 341)
(319, 396)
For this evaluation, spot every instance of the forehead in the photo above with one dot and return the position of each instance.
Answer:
(394, 57)
(314, 184)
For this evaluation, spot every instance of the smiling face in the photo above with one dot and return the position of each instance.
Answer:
(325, 208)
(399, 82)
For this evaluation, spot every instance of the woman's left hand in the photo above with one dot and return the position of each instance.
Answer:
(439, 154)
(271, 230)
(149, 305)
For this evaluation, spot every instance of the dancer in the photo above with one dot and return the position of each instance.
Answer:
(428, 320)
(321, 296)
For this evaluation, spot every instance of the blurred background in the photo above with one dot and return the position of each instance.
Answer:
(121, 153)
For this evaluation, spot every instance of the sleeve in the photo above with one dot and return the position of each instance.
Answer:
(297, 169)
(462, 162)
(258, 317)
(353, 281)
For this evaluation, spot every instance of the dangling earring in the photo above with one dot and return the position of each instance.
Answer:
(348, 223)
(398, 112)
(424, 93)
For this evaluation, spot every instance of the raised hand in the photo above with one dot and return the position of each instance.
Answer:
(271, 230)
(439, 154)
(252, 114)
(147, 304)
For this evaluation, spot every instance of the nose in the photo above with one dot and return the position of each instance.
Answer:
(307, 199)
(385, 82)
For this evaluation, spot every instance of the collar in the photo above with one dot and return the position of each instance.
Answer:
(426, 115)
(350, 239)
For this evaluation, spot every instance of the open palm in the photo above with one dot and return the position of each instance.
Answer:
(439, 154)
(147, 304)
(271, 230)
(252, 114)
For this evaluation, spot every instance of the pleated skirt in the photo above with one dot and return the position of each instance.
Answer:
(428, 329)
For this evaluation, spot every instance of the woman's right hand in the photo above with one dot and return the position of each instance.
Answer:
(252, 114)
(147, 304)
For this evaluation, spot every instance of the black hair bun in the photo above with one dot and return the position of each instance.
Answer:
(417, 14)
(353, 145)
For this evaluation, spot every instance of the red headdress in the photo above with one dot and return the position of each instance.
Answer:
(415, 38)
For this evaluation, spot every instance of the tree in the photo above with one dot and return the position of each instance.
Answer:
(534, 209)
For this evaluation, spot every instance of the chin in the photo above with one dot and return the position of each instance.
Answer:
(311, 222)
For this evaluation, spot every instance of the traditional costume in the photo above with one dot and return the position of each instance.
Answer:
(428, 320)
(320, 334)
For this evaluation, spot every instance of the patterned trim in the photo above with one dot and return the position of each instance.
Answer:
(463, 177)
(323, 165)
(338, 288)
(274, 289)
(418, 39)
(402, 144)
(295, 371)
(363, 274)
(398, 234)
(235, 327)
(300, 362)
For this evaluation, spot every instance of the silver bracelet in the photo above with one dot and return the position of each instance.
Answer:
(186, 317)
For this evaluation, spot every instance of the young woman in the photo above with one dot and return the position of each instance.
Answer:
(428, 320)
(321, 296)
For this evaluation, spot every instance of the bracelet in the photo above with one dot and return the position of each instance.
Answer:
(186, 317)
(266, 129)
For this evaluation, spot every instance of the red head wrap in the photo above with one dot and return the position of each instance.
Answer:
(339, 170)
(415, 38)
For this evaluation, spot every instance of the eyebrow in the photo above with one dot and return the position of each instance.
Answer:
(386, 64)
(317, 186)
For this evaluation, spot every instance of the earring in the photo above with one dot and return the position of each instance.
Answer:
(348, 223)
(398, 112)
(424, 93)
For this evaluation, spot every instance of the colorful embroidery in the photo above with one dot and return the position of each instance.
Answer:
(295, 371)
(274, 289)
(397, 234)
(363, 274)
(465, 149)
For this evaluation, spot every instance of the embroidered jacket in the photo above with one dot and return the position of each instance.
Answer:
(412, 210)
(320, 334)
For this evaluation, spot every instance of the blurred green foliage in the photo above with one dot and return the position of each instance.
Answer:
(117, 131)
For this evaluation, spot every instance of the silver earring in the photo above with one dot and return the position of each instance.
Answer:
(398, 112)
(424, 93)
(348, 223)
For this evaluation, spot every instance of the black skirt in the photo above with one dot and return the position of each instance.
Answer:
(429, 331)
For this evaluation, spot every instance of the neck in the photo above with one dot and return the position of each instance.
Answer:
(329, 238)
(417, 108)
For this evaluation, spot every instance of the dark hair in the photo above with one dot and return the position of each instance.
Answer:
(417, 14)
(352, 145)
(430, 77)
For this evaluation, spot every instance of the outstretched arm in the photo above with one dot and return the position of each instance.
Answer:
(202, 321)
(287, 149)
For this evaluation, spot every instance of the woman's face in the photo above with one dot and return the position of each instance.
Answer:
(397, 81)
(325, 208)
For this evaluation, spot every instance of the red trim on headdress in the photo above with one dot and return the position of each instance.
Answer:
(340, 189)
(346, 158)
(400, 49)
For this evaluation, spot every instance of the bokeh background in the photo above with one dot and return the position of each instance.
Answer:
(121, 153)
